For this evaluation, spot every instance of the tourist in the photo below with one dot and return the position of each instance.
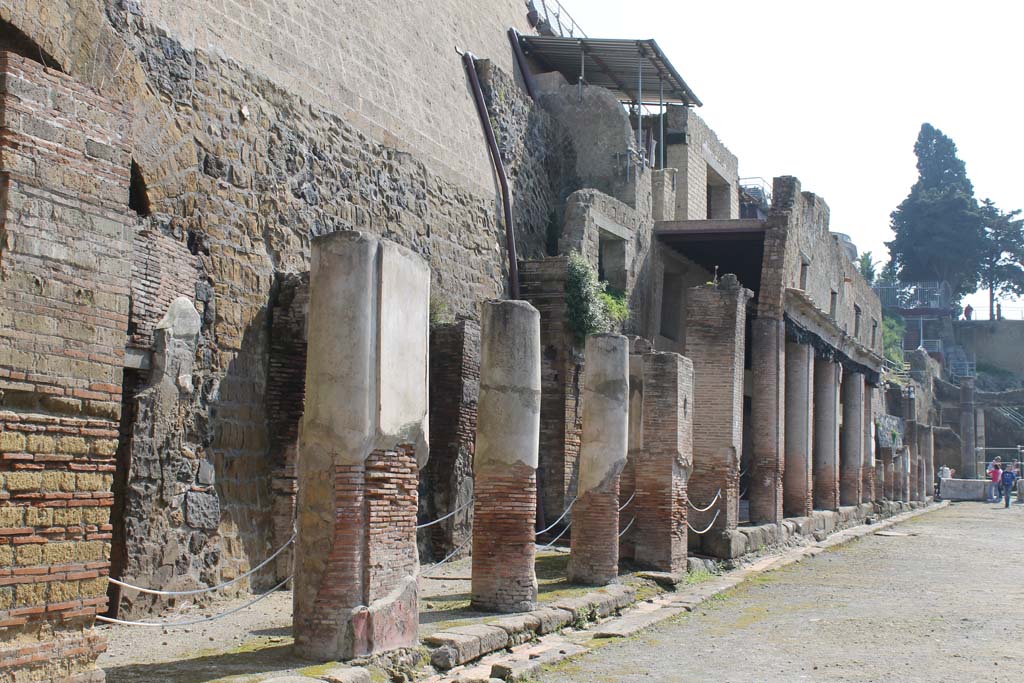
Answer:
(995, 475)
(1009, 479)
(968, 312)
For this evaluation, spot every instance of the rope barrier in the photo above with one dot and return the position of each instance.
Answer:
(710, 505)
(560, 518)
(623, 532)
(707, 528)
(626, 504)
(192, 622)
(450, 514)
(743, 493)
(210, 589)
(555, 539)
(448, 557)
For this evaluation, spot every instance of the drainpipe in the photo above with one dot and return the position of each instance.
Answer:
(469, 62)
(524, 69)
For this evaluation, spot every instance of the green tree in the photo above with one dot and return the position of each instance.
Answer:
(1002, 263)
(867, 266)
(939, 233)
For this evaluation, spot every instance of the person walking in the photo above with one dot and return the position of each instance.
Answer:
(1009, 478)
(995, 478)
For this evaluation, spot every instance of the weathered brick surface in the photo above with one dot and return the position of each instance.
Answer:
(768, 359)
(63, 325)
(664, 463)
(446, 482)
(715, 343)
(851, 440)
(595, 531)
(798, 481)
(162, 270)
(504, 511)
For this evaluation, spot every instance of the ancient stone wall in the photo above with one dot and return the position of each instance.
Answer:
(64, 246)
(693, 148)
(162, 270)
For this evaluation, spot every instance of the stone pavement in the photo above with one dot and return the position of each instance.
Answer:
(930, 599)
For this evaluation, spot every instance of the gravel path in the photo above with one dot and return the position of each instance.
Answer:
(939, 604)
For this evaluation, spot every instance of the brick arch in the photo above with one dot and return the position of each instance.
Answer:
(79, 38)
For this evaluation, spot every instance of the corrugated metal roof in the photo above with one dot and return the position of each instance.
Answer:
(615, 64)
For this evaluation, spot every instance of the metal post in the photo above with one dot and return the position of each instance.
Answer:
(640, 103)
(661, 121)
(583, 70)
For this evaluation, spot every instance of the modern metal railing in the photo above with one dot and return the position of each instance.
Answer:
(915, 295)
(550, 18)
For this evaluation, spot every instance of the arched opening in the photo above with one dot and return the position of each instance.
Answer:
(138, 196)
(12, 39)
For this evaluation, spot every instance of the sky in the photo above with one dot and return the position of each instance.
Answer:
(835, 93)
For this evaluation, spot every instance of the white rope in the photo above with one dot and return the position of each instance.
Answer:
(450, 556)
(450, 514)
(560, 518)
(210, 589)
(707, 528)
(624, 505)
(743, 493)
(192, 622)
(709, 506)
(622, 533)
(555, 539)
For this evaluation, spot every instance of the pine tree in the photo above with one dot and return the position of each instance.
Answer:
(867, 266)
(939, 233)
(1002, 265)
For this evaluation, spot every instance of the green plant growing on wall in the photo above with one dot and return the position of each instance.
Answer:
(893, 329)
(590, 307)
(440, 313)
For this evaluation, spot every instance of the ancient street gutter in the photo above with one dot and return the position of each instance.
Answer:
(469, 62)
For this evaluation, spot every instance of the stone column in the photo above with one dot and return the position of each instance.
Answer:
(889, 457)
(880, 479)
(363, 428)
(979, 435)
(664, 464)
(715, 342)
(851, 440)
(868, 477)
(798, 499)
(905, 474)
(826, 434)
(594, 556)
(505, 464)
(915, 477)
(768, 358)
(910, 443)
(927, 448)
(638, 346)
(968, 457)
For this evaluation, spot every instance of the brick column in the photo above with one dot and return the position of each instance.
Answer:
(715, 342)
(638, 346)
(889, 464)
(915, 477)
(826, 434)
(664, 464)
(880, 477)
(968, 457)
(768, 357)
(595, 517)
(926, 442)
(851, 440)
(362, 430)
(505, 465)
(798, 498)
(868, 493)
(979, 434)
(904, 475)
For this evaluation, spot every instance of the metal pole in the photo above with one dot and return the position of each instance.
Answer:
(661, 121)
(640, 103)
(583, 70)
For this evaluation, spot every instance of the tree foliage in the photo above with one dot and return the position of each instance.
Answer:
(867, 265)
(939, 231)
(591, 306)
(1002, 262)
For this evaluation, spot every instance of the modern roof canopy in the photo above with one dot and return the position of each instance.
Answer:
(635, 70)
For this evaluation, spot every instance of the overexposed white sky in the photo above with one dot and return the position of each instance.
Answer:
(835, 93)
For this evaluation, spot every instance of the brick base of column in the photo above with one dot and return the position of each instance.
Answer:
(627, 487)
(504, 514)
(595, 537)
(765, 494)
(366, 596)
(660, 507)
(868, 484)
(58, 656)
(707, 480)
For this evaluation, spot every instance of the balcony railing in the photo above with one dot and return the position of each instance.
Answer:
(551, 19)
(915, 295)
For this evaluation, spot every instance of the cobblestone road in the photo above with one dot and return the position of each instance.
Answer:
(942, 603)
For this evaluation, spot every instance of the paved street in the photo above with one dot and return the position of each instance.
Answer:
(940, 604)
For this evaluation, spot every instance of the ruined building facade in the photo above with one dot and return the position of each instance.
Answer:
(165, 167)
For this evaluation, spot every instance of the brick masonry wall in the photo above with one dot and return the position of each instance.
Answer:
(162, 270)
(64, 250)
(595, 530)
(446, 482)
(504, 579)
(286, 398)
(543, 285)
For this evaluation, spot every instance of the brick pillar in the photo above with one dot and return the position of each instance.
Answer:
(768, 357)
(889, 464)
(664, 464)
(904, 475)
(826, 434)
(910, 435)
(868, 494)
(363, 428)
(505, 465)
(446, 482)
(851, 440)
(638, 346)
(915, 477)
(715, 342)
(968, 457)
(798, 497)
(926, 440)
(595, 517)
(979, 435)
(880, 478)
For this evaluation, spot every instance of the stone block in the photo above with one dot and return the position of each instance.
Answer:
(452, 649)
(346, 674)
(551, 619)
(725, 545)
(202, 510)
(963, 489)
(491, 637)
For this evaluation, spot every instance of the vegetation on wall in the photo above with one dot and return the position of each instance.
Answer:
(591, 306)
(893, 329)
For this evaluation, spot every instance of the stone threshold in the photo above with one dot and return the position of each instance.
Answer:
(583, 626)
